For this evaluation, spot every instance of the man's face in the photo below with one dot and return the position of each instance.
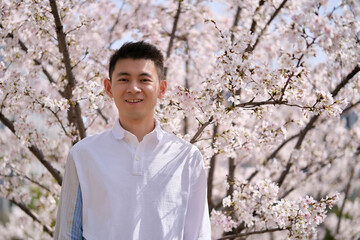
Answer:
(135, 87)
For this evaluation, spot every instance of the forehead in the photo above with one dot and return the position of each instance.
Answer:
(135, 66)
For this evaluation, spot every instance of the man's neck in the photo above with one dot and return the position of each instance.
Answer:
(138, 127)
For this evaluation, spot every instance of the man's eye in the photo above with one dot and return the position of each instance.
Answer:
(122, 80)
(145, 80)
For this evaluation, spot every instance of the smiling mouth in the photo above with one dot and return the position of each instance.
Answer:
(133, 100)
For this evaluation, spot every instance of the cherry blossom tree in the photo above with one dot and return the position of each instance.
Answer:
(267, 90)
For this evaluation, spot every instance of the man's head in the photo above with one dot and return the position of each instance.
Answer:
(138, 50)
(136, 83)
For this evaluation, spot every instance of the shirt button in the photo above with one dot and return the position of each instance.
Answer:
(137, 158)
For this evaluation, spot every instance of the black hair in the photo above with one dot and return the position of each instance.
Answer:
(138, 50)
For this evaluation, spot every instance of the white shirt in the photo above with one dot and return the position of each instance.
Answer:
(117, 188)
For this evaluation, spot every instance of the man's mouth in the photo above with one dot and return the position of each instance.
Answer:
(133, 100)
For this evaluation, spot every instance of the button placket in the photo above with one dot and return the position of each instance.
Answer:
(138, 165)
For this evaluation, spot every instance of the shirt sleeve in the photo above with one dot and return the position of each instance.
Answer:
(197, 222)
(69, 214)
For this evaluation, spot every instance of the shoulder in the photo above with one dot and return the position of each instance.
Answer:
(91, 142)
(182, 144)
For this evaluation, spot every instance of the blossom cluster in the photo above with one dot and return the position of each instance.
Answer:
(258, 207)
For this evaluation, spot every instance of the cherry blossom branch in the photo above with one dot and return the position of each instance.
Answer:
(115, 24)
(102, 116)
(231, 171)
(33, 215)
(36, 61)
(173, 31)
(346, 80)
(345, 198)
(351, 106)
(312, 121)
(74, 112)
(35, 150)
(92, 121)
(3, 102)
(255, 104)
(236, 21)
(252, 233)
(27, 178)
(267, 25)
(273, 154)
(211, 172)
(200, 130)
(57, 118)
(231, 175)
(308, 175)
(253, 24)
(302, 135)
(187, 86)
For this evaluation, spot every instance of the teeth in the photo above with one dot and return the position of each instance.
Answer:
(134, 100)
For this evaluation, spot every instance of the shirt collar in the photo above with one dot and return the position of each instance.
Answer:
(119, 132)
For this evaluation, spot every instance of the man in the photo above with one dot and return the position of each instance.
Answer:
(134, 181)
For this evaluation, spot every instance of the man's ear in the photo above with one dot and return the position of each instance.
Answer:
(163, 87)
(107, 86)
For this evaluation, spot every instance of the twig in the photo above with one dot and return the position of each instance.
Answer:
(173, 31)
(35, 150)
(36, 61)
(312, 121)
(18, 174)
(253, 24)
(236, 21)
(273, 155)
(346, 80)
(115, 23)
(267, 25)
(200, 130)
(348, 108)
(252, 233)
(251, 104)
(32, 215)
(345, 198)
(57, 118)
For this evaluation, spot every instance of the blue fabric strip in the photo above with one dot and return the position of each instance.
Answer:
(77, 230)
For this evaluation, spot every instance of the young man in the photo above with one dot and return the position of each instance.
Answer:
(134, 181)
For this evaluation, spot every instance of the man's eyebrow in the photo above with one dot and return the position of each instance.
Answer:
(122, 73)
(144, 74)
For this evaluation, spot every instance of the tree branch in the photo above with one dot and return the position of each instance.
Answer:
(346, 80)
(347, 190)
(251, 233)
(236, 21)
(255, 104)
(36, 61)
(267, 25)
(115, 23)
(35, 150)
(273, 154)
(312, 121)
(32, 215)
(253, 24)
(200, 130)
(231, 175)
(18, 174)
(74, 112)
(173, 31)
(211, 173)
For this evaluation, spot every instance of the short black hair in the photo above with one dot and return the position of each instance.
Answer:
(138, 50)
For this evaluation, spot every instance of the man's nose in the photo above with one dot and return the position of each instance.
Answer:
(134, 87)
